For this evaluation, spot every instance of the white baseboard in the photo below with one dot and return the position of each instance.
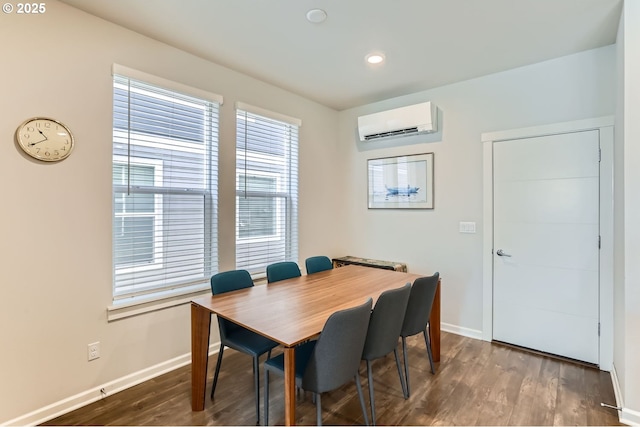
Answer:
(616, 387)
(94, 394)
(625, 415)
(630, 417)
(459, 330)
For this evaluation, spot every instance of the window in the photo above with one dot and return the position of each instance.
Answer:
(257, 216)
(165, 169)
(141, 212)
(266, 188)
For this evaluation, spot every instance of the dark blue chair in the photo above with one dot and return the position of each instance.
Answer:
(329, 362)
(383, 334)
(235, 336)
(282, 270)
(316, 264)
(416, 318)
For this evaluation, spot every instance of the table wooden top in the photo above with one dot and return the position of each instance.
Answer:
(294, 310)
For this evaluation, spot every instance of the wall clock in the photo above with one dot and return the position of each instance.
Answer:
(45, 139)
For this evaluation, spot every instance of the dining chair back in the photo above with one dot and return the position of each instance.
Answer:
(331, 361)
(416, 318)
(383, 334)
(316, 264)
(235, 336)
(282, 270)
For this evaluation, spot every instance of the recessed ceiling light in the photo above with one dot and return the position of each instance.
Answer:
(374, 58)
(316, 16)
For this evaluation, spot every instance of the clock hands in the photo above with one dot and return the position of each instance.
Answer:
(31, 144)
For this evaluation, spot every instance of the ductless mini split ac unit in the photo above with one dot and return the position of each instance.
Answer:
(404, 121)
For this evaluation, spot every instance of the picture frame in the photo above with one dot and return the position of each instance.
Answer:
(401, 182)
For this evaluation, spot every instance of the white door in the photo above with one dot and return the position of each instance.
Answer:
(546, 244)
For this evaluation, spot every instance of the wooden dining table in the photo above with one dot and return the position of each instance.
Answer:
(290, 312)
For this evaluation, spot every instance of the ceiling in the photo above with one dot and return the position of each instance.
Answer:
(427, 43)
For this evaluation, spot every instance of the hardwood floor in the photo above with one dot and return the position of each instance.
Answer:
(476, 383)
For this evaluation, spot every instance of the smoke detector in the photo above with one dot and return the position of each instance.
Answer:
(316, 16)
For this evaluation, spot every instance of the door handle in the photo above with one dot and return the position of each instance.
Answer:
(500, 252)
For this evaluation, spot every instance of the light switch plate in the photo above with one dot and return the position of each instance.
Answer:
(467, 227)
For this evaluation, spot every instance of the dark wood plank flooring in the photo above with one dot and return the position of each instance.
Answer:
(476, 383)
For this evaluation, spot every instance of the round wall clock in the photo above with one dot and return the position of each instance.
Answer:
(45, 139)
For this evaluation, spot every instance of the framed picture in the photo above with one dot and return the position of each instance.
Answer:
(404, 182)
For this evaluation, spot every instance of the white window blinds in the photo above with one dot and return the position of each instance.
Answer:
(266, 189)
(165, 170)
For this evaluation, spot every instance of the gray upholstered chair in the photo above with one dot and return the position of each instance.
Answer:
(282, 270)
(329, 362)
(235, 336)
(416, 318)
(315, 264)
(383, 334)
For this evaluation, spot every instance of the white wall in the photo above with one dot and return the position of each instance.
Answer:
(569, 88)
(55, 222)
(627, 361)
(619, 235)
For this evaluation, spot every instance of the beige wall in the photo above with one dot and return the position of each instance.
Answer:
(55, 222)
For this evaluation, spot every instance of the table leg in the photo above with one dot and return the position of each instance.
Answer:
(434, 325)
(289, 386)
(200, 329)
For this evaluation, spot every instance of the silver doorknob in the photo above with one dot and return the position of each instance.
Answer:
(500, 252)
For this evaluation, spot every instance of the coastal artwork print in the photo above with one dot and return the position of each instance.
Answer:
(403, 182)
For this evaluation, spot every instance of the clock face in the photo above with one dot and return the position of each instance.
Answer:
(45, 139)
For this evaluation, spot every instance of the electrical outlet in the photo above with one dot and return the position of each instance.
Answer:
(93, 351)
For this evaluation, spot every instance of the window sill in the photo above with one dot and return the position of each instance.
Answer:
(139, 305)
